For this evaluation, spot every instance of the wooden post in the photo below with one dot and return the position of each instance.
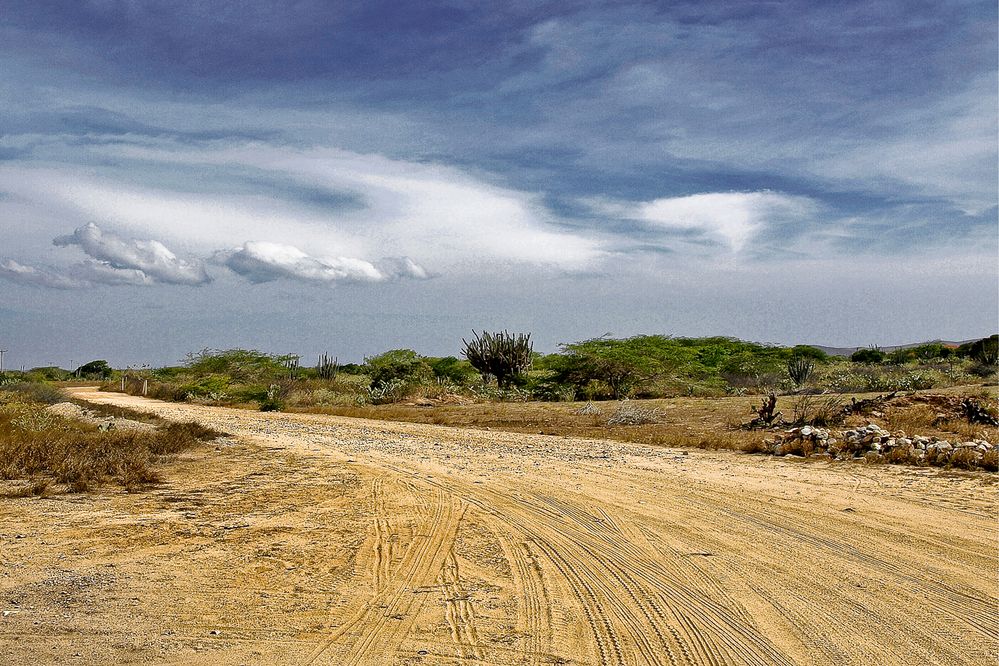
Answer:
(145, 386)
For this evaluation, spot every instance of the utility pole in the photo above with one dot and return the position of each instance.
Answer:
(2, 352)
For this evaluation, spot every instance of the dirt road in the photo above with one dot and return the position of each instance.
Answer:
(325, 540)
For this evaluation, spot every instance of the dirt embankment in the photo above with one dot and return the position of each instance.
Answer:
(325, 540)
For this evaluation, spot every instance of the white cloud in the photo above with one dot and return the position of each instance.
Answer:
(41, 277)
(732, 218)
(130, 261)
(114, 261)
(96, 272)
(260, 261)
(442, 217)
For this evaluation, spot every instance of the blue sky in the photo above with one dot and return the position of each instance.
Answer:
(350, 177)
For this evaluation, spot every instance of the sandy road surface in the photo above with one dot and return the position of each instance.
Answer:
(325, 540)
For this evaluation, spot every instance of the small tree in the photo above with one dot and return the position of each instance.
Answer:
(94, 370)
(502, 355)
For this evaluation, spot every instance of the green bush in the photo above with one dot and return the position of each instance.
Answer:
(808, 351)
(37, 392)
(870, 355)
(212, 386)
(238, 365)
(398, 365)
(453, 370)
(94, 370)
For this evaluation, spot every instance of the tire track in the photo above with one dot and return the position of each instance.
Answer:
(384, 621)
(788, 579)
(534, 617)
(458, 610)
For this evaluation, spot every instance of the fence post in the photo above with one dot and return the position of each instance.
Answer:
(145, 386)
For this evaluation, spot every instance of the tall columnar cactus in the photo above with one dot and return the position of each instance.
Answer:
(291, 363)
(327, 367)
(502, 355)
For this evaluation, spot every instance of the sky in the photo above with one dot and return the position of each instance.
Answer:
(351, 177)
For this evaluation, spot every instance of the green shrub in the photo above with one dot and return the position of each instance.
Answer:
(869, 355)
(33, 392)
(808, 351)
(397, 365)
(238, 365)
(799, 369)
(453, 370)
(94, 370)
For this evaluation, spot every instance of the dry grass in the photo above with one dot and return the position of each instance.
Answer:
(705, 423)
(923, 419)
(116, 412)
(46, 449)
(631, 414)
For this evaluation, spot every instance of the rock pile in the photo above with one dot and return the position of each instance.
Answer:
(876, 443)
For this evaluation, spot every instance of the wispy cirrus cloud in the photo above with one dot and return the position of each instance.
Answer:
(729, 218)
(335, 202)
(38, 277)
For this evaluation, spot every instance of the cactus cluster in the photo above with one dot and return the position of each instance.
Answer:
(503, 355)
(327, 367)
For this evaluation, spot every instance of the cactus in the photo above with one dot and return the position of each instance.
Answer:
(327, 367)
(799, 368)
(501, 355)
(292, 365)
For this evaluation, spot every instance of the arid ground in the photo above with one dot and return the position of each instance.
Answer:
(311, 539)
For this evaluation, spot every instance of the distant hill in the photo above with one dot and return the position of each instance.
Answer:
(847, 351)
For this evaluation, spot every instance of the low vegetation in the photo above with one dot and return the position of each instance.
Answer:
(500, 382)
(47, 451)
(502, 367)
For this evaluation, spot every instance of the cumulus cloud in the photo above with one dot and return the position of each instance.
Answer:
(120, 260)
(113, 261)
(260, 261)
(731, 218)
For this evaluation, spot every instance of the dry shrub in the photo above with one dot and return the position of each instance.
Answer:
(754, 446)
(914, 419)
(34, 392)
(903, 455)
(34, 488)
(964, 458)
(990, 460)
(627, 414)
(178, 437)
(35, 445)
(818, 410)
